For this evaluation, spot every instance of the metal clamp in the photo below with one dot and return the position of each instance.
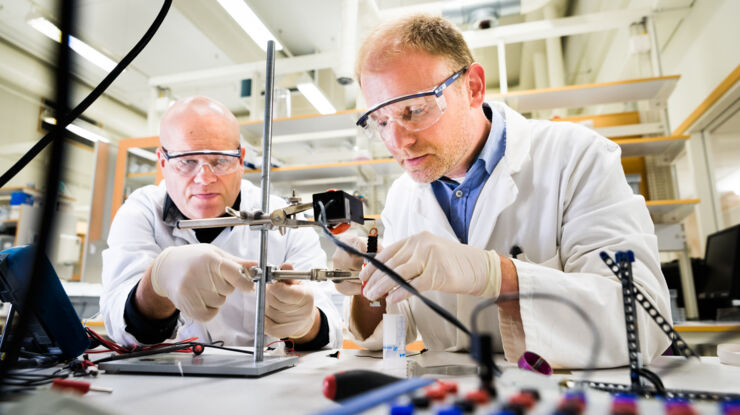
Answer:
(315, 274)
(279, 219)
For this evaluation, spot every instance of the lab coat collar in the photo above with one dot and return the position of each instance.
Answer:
(518, 138)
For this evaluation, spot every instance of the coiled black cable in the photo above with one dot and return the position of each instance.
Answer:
(65, 120)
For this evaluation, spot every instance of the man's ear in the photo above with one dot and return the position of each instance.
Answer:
(160, 158)
(476, 78)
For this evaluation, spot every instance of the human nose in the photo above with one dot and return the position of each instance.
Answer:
(396, 136)
(205, 174)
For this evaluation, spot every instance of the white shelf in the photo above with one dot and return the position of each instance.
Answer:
(576, 96)
(631, 130)
(294, 126)
(313, 174)
(667, 147)
(670, 211)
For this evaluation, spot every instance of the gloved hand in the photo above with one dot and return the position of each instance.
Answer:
(431, 262)
(342, 260)
(197, 278)
(289, 310)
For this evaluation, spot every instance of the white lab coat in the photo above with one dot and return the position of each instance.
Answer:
(559, 193)
(138, 234)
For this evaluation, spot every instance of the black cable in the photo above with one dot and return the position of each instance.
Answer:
(54, 167)
(596, 343)
(168, 349)
(392, 274)
(63, 120)
(53, 172)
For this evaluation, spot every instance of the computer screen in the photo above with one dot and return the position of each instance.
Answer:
(55, 329)
(722, 260)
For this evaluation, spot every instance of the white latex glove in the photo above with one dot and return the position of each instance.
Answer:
(431, 262)
(342, 260)
(197, 278)
(289, 310)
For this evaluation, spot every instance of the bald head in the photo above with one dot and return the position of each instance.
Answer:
(200, 121)
(191, 125)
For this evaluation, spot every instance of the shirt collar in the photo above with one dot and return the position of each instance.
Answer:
(490, 149)
(170, 212)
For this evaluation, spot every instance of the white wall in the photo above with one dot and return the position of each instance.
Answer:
(704, 50)
(24, 82)
(19, 116)
(19, 120)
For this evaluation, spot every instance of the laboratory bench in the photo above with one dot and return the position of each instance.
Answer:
(298, 389)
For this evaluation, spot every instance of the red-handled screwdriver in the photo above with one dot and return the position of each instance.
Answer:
(77, 386)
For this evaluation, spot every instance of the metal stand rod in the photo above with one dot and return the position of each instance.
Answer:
(259, 323)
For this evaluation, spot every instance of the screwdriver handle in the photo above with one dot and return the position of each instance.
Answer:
(77, 386)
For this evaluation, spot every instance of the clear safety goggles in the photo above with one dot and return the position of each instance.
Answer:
(414, 112)
(188, 163)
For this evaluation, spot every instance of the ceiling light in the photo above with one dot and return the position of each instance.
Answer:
(83, 49)
(316, 97)
(79, 131)
(249, 22)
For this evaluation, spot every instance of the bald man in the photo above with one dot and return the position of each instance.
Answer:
(161, 282)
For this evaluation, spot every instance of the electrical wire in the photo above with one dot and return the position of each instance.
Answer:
(392, 274)
(54, 170)
(47, 217)
(595, 344)
(64, 120)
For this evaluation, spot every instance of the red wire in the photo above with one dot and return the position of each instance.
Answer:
(115, 347)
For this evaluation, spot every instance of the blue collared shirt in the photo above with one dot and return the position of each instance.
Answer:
(458, 199)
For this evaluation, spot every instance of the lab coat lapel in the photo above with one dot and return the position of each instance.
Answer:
(186, 234)
(500, 191)
(430, 216)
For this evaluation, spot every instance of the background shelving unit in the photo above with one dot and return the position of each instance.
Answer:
(22, 226)
(132, 170)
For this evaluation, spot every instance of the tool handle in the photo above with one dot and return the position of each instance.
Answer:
(343, 385)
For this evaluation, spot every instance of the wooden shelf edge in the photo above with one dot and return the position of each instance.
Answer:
(649, 139)
(672, 202)
(707, 329)
(143, 174)
(710, 100)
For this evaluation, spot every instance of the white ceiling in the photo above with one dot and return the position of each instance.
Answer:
(199, 34)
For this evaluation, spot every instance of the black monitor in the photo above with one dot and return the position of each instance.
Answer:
(722, 261)
(55, 330)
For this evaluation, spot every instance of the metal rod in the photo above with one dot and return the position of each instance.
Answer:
(314, 275)
(259, 317)
(218, 223)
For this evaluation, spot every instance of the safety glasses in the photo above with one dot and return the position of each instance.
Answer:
(188, 163)
(414, 112)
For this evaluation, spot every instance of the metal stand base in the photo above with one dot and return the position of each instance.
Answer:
(204, 365)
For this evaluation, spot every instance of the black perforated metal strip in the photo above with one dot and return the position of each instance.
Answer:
(630, 320)
(669, 393)
(653, 312)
